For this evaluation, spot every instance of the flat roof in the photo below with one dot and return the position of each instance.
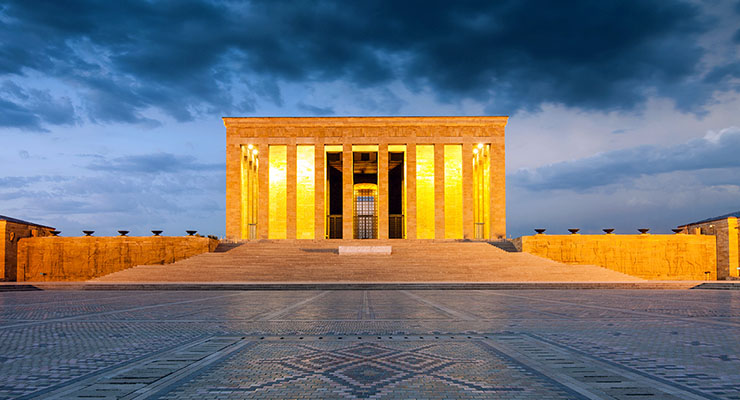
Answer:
(735, 214)
(20, 221)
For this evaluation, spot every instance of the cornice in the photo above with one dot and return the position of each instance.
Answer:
(499, 121)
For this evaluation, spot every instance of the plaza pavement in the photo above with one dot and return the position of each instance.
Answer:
(393, 344)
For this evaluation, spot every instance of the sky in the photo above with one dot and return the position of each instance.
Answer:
(623, 113)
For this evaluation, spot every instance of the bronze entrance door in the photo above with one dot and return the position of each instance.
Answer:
(366, 211)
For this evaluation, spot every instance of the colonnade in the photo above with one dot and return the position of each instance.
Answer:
(453, 175)
(446, 190)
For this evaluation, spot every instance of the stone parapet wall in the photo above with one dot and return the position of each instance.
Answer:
(660, 257)
(83, 258)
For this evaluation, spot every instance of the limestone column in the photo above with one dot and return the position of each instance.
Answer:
(733, 256)
(383, 191)
(319, 185)
(347, 195)
(234, 193)
(263, 208)
(291, 186)
(439, 191)
(498, 189)
(467, 188)
(410, 191)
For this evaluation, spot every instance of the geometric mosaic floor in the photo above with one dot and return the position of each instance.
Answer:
(424, 344)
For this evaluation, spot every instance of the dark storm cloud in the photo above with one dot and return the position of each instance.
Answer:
(153, 163)
(188, 57)
(30, 109)
(718, 152)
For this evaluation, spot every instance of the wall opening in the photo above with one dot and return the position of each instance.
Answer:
(333, 191)
(396, 191)
(250, 191)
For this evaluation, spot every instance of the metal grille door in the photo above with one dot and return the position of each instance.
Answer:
(366, 219)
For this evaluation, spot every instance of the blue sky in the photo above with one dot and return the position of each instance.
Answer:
(624, 114)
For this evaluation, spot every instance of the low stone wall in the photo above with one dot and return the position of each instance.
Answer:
(82, 258)
(661, 257)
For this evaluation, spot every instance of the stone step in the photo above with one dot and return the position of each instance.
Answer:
(409, 261)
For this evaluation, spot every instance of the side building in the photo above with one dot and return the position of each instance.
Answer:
(365, 178)
(725, 228)
(11, 231)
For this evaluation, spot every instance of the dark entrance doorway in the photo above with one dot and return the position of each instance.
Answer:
(334, 195)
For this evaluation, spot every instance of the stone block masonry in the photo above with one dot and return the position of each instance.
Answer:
(661, 257)
(726, 231)
(83, 258)
(12, 231)
(469, 140)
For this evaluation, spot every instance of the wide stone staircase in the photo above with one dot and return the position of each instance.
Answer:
(409, 261)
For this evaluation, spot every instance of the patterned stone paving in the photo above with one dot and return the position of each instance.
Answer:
(425, 344)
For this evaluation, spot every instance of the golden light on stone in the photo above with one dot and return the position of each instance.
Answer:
(435, 177)
(453, 205)
(481, 192)
(425, 191)
(277, 218)
(305, 191)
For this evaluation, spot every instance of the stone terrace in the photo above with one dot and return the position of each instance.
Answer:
(410, 261)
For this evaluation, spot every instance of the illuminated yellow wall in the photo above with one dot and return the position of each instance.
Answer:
(246, 195)
(305, 192)
(453, 192)
(425, 191)
(662, 257)
(482, 187)
(277, 227)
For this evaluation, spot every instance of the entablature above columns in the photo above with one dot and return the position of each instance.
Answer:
(357, 129)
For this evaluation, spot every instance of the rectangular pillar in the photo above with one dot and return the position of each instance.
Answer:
(234, 196)
(383, 191)
(264, 191)
(467, 181)
(319, 187)
(733, 254)
(410, 191)
(347, 192)
(439, 191)
(498, 189)
(291, 186)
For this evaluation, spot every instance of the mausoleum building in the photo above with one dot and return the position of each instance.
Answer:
(365, 178)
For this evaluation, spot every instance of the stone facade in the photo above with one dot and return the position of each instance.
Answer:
(11, 231)
(662, 257)
(725, 230)
(343, 134)
(86, 257)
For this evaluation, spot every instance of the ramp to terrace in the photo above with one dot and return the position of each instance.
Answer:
(409, 261)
